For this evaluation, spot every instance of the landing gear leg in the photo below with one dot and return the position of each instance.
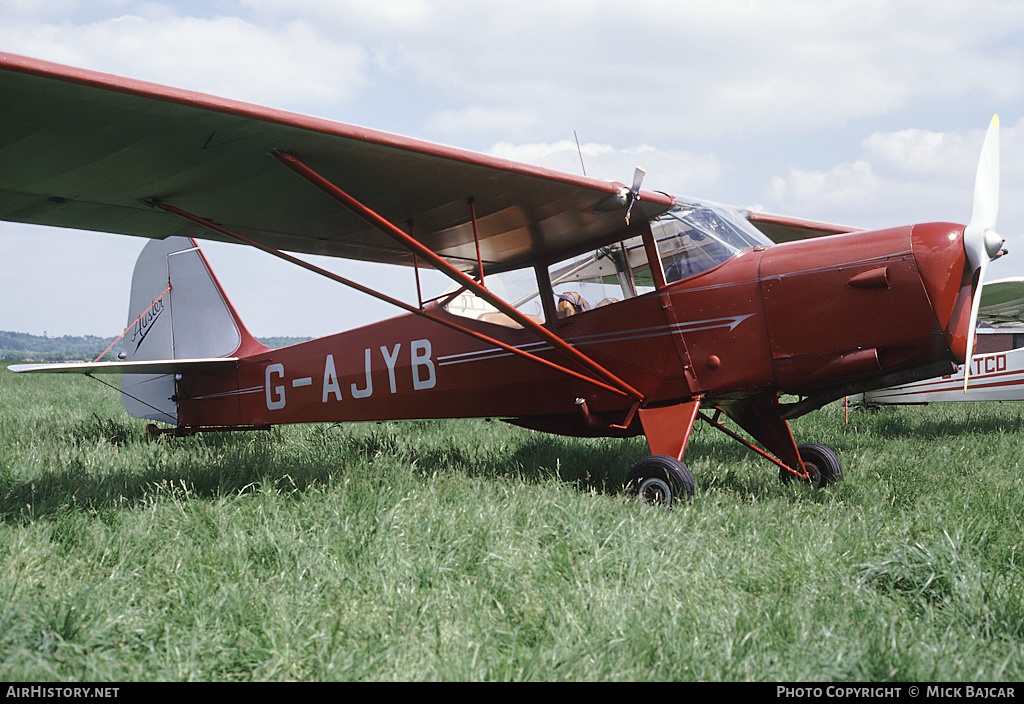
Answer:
(662, 478)
(822, 465)
(762, 418)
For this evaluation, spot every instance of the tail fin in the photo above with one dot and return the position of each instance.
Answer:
(178, 310)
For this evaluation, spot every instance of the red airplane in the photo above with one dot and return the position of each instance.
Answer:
(581, 307)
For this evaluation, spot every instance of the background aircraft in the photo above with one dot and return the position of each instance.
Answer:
(997, 367)
(580, 306)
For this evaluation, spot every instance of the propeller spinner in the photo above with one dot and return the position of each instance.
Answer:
(981, 243)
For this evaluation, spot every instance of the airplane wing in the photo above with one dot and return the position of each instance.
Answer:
(92, 151)
(779, 228)
(1002, 301)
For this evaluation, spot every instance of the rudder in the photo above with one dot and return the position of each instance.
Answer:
(177, 310)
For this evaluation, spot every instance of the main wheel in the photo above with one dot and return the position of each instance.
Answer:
(659, 480)
(823, 466)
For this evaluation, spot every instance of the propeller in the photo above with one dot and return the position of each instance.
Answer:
(633, 194)
(981, 243)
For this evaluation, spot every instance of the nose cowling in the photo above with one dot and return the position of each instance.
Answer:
(852, 307)
(947, 278)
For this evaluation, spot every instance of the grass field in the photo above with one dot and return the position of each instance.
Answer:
(472, 550)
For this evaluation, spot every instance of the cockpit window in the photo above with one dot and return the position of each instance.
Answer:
(693, 238)
(602, 277)
(578, 284)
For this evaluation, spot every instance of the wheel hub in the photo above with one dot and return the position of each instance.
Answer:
(656, 491)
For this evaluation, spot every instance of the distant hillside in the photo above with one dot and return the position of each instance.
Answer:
(22, 347)
(19, 346)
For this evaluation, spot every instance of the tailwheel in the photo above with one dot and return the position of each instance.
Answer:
(660, 480)
(823, 466)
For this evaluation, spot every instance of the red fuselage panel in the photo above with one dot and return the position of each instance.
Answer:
(799, 316)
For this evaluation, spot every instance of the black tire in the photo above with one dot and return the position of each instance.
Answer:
(823, 466)
(660, 480)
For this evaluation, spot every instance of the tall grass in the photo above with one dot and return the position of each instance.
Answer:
(473, 550)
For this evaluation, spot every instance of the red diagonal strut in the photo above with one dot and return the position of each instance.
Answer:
(453, 273)
(381, 296)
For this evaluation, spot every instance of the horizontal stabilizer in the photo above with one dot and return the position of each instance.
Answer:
(149, 366)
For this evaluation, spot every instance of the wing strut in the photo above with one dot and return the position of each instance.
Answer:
(453, 273)
(476, 239)
(396, 302)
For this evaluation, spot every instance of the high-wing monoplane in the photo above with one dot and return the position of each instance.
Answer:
(580, 306)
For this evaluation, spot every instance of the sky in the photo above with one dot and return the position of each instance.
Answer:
(869, 113)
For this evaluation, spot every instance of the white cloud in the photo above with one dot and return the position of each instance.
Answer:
(712, 69)
(865, 112)
(903, 177)
(282, 65)
(477, 119)
(828, 190)
(394, 14)
(917, 151)
(676, 172)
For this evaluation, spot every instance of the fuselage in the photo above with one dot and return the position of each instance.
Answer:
(803, 318)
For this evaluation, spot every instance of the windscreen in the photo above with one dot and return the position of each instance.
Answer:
(693, 238)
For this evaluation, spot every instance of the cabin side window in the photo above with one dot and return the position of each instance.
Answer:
(601, 277)
(690, 239)
(518, 287)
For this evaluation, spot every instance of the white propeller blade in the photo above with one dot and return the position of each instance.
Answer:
(972, 330)
(981, 243)
(634, 192)
(638, 178)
